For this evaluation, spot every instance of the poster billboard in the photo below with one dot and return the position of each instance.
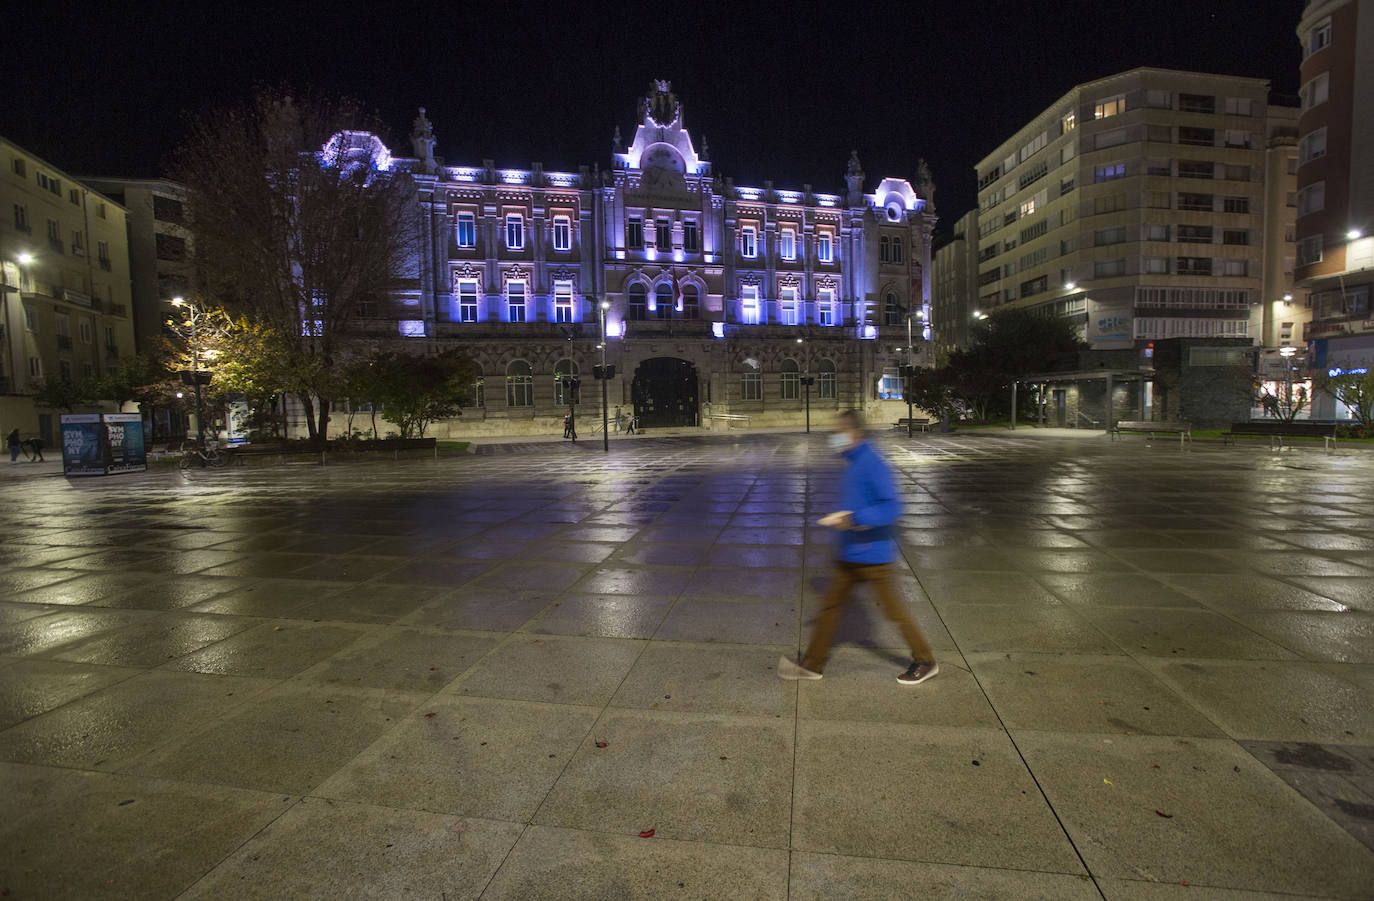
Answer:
(237, 432)
(124, 449)
(81, 444)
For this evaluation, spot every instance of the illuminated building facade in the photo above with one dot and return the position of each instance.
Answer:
(1335, 227)
(723, 299)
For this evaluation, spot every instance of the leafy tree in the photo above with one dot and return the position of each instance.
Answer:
(136, 378)
(415, 391)
(930, 389)
(299, 220)
(65, 394)
(1006, 346)
(1354, 389)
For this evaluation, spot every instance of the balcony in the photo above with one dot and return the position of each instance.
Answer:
(80, 298)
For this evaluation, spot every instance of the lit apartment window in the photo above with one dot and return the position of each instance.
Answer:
(1028, 207)
(1110, 107)
(1312, 198)
(825, 307)
(1068, 123)
(634, 233)
(787, 304)
(788, 244)
(1312, 146)
(515, 231)
(515, 301)
(663, 234)
(1315, 91)
(749, 304)
(825, 243)
(690, 237)
(467, 300)
(562, 233)
(466, 226)
(562, 302)
(1109, 173)
(748, 242)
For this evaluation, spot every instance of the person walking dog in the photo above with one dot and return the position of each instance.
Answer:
(865, 551)
(13, 441)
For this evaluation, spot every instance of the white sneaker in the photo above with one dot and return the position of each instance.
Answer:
(793, 671)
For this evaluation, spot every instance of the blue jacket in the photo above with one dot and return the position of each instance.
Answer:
(869, 490)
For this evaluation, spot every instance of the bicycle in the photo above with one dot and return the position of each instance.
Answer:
(210, 456)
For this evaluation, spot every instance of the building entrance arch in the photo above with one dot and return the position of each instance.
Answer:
(664, 392)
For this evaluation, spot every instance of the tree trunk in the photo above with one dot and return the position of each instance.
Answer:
(309, 404)
(322, 431)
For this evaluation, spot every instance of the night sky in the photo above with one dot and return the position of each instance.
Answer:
(781, 91)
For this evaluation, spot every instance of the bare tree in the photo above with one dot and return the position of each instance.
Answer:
(299, 219)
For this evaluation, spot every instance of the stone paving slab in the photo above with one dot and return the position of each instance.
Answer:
(488, 677)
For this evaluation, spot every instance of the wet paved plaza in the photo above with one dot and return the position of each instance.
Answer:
(488, 677)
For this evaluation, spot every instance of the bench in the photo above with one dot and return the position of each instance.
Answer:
(1182, 429)
(922, 424)
(727, 418)
(1277, 431)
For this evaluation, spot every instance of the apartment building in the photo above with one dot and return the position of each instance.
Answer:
(160, 248)
(1335, 225)
(1143, 206)
(64, 268)
(954, 294)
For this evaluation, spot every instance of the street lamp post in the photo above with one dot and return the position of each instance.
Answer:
(195, 367)
(604, 378)
(807, 380)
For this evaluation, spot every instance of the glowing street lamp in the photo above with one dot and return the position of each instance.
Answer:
(604, 376)
(193, 315)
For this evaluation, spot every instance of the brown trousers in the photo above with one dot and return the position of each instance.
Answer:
(846, 576)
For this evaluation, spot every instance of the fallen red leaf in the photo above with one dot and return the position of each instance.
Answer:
(1167, 816)
(648, 834)
(431, 714)
(433, 668)
(601, 744)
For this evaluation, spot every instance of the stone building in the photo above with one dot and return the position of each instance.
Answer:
(955, 292)
(721, 300)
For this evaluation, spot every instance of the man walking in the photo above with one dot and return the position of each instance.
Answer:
(865, 553)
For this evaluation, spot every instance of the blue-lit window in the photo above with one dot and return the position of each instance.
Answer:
(466, 230)
(638, 303)
(825, 307)
(515, 301)
(562, 302)
(1109, 173)
(519, 384)
(748, 242)
(467, 301)
(515, 232)
(690, 239)
(749, 305)
(690, 302)
(663, 234)
(562, 233)
(825, 380)
(634, 233)
(788, 306)
(788, 244)
(663, 301)
(890, 386)
(825, 247)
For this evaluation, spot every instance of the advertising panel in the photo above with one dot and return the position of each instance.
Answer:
(237, 433)
(81, 445)
(124, 450)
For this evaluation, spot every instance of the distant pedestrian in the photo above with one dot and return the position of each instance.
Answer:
(630, 424)
(35, 448)
(569, 426)
(618, 414)
(13, 441)
(870, 507)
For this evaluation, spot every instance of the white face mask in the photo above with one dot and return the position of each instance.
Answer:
(838, 441)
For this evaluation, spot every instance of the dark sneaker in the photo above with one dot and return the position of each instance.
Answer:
(918, 672)
(793, 671)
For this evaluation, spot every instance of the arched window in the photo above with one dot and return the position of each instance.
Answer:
(691, 302)
(751, 381)
(565, 391)
(892, 314)
(519, 384)
(663, 301)
(790, 379)
(825, 379)
(639, 303)
(477, 393)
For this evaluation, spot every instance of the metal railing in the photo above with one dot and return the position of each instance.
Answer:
(1084, 417)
